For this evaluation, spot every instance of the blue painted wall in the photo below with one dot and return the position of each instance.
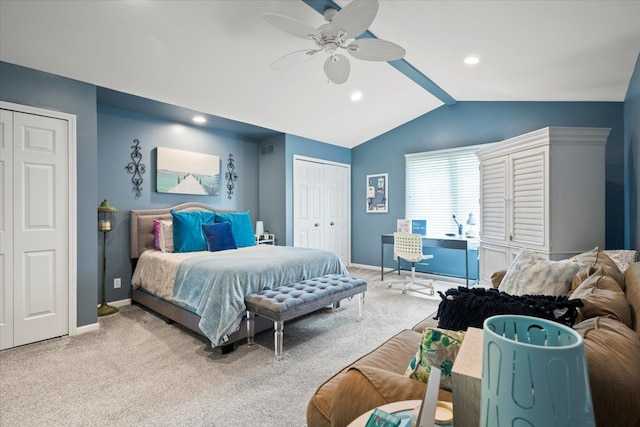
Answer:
(116, 130)
(272, 167)
(632, 160)
(296, 145)
(110, 132)
(470, 123)
(37, 89)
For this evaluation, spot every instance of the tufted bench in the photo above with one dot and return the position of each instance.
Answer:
(297, 299)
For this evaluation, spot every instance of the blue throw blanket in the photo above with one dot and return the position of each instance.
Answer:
(215, 286)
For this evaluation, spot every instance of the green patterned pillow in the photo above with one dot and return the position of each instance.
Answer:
(438, 347)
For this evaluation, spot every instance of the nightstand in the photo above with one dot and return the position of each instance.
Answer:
(266, 239)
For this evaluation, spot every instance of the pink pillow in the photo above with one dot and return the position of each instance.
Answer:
(163, 235)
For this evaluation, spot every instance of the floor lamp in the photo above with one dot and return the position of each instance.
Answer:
(106, 223)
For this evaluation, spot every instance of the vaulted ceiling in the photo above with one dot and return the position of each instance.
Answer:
(213, 57)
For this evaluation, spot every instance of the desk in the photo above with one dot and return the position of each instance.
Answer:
(438, 242)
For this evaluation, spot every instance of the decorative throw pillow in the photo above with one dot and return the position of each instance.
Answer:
(163, 235)
(597, 258)
(241, 227)
(531, 274)
(623, 258)
(187, 230)
(602, 296)
(438, 347)
(219, 237)
(462, 307)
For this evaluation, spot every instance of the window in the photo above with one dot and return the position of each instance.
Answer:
(439, 184)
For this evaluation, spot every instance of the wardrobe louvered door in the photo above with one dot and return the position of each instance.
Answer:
(529, 201)
(493, 199)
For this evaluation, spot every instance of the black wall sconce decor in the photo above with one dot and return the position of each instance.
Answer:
(230, 175)
(136, 168)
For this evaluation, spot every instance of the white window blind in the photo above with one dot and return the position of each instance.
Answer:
(439, 184)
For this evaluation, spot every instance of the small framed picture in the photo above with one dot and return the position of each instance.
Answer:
(377, 193)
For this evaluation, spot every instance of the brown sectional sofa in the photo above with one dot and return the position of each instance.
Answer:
(611, 332)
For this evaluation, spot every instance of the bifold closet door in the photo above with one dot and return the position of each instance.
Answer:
(6, 230)
(321, 217)
(35, 208)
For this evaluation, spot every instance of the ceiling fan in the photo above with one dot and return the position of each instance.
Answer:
(341, 27)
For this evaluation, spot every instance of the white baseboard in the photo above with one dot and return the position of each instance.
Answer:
(86, 328)
(95, 326)
(434, 277)
(121, 303)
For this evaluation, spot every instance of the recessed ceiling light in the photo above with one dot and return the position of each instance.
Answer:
(471, 60)
(356, 96)
(199, 119)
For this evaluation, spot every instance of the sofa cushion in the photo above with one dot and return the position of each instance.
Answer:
(632, 282)
(601, 296)
(496, 278)
(392, 356)
(613, 356)
(531, 274)
(438, 347)
(596, 258)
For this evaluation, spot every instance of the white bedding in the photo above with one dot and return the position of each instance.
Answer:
(156, 270)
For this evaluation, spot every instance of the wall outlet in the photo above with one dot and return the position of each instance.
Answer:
(117, 283)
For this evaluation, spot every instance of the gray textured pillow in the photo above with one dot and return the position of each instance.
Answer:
(531, 274)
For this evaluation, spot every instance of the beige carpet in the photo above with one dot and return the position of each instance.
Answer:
(136, 370)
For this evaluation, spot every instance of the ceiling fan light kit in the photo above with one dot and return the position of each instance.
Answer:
(347, 24)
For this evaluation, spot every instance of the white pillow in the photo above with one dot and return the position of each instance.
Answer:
(163, 235)
(531, 274)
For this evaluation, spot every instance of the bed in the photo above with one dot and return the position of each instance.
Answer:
(204, 291)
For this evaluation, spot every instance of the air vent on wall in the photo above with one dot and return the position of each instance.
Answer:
(266, 149)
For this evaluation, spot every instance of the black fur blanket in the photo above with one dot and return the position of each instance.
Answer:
(464, 307)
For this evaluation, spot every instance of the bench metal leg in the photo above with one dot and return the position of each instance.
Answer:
(361, 305)
(251, 324)
(278, 326)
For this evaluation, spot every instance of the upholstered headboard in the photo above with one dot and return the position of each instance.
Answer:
(141, 233)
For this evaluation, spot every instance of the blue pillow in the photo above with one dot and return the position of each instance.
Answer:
(187, 230)
(241, 227)
(219, 236)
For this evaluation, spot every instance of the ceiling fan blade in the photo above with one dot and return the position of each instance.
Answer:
(292, 26)
(355, 18)
(375, 50)
(293, 58)
(337, 68)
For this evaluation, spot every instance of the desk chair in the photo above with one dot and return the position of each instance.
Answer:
(408, 246)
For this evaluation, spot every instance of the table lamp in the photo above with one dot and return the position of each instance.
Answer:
(471, 226)
(106, 223)
(259, 229)
(534, 373)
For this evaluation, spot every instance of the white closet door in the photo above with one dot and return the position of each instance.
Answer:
(6, 230)
(331, 206)
(343, 218)
(321, 207)
(308, 204)
(40, 216)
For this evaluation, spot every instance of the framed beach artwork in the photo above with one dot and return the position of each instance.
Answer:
(185, 172)
(377, 193)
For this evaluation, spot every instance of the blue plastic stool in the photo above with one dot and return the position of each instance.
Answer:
(534, 373)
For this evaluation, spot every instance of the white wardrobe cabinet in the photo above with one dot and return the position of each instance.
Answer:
(544, 191)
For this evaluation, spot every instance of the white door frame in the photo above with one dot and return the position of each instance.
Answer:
(73, 247)
(327, 162)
